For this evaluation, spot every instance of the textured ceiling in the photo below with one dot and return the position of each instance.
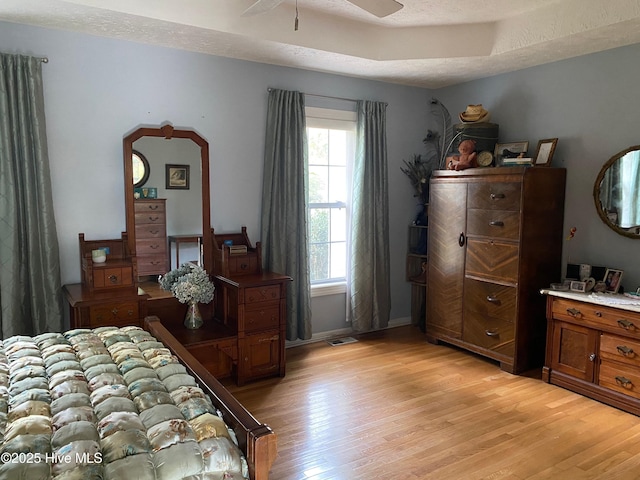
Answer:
(429, 43)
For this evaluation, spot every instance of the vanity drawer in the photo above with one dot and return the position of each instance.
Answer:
(114, 314)
(495, 196)
(490, 299)
(262, 318)
(487, 332)
(610, 319)
(262, 294)
(494, 223)
(492, 259)
(112, 277)
(620, 349)
(243, 264)
(621, 378)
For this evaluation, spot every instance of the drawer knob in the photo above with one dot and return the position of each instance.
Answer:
(153, 219)
(153, 207)
(496, 223)
(154, 232)
(625, 351)
(269, 339)
(114, 312)
(497, 196)
(574, 312)
(154, 246)
(626, 324)
(624, 382)
(491, 333)
(113, 278)
(244, 266)
(493, 299)
(461, 239)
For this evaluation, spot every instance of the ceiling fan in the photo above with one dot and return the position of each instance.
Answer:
(379, 8)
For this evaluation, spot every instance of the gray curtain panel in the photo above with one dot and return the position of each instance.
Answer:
(369, 297)
(284, 205)
(30, 293)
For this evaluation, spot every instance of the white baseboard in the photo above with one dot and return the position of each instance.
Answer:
(341, 332)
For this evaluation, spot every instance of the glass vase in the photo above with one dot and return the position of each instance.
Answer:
(193, 318)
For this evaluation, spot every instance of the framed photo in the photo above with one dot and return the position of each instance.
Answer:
(544, 153)
(612, 279)
(577, 286)
(177, 177)
(509, 150)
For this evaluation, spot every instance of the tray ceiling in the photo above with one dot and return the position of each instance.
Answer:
(429, 43)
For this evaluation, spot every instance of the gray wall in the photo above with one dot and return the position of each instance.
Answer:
(591, 104)
(97, 90)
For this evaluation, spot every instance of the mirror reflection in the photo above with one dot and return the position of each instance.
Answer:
(140, 167)
(617, 192)
(183, 206)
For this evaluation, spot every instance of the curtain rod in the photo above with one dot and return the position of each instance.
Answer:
(323, 96)
(327, 96)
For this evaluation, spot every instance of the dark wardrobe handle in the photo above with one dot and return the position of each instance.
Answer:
(461, 239)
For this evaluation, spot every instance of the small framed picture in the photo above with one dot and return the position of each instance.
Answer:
(612, 279)
(577, 286)
(544, 153)
(177, 177)
(510, 150)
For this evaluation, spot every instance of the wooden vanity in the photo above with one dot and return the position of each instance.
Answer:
(244, 330)
(593, 347)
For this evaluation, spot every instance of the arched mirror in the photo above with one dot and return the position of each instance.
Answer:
(167, 213)
(617, 192)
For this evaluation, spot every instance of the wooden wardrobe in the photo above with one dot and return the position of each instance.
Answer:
(495, 239)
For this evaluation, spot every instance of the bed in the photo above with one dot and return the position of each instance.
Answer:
(121, 402)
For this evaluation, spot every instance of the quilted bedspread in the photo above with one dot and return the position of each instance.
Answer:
(108, 403)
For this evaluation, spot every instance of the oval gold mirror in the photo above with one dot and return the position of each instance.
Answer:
(617, 192)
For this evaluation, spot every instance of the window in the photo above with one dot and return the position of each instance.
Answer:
(331, 143)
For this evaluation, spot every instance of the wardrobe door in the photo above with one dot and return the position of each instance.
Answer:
(446, 257)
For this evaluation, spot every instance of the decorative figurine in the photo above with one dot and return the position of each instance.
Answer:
(467, 157)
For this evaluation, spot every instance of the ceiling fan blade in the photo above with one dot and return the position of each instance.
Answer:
(379, 8)
(261, 6)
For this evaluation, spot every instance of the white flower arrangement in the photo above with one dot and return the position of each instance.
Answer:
(187, 283)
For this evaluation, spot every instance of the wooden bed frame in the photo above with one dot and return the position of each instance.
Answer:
(257, 441)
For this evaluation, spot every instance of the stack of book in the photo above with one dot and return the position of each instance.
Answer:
(237, 250)
(512, 162)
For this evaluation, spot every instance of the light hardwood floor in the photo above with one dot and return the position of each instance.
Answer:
(392, 406)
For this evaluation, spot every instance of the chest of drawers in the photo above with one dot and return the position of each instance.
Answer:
(151, 236)
(594, 349)
(495, 238)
